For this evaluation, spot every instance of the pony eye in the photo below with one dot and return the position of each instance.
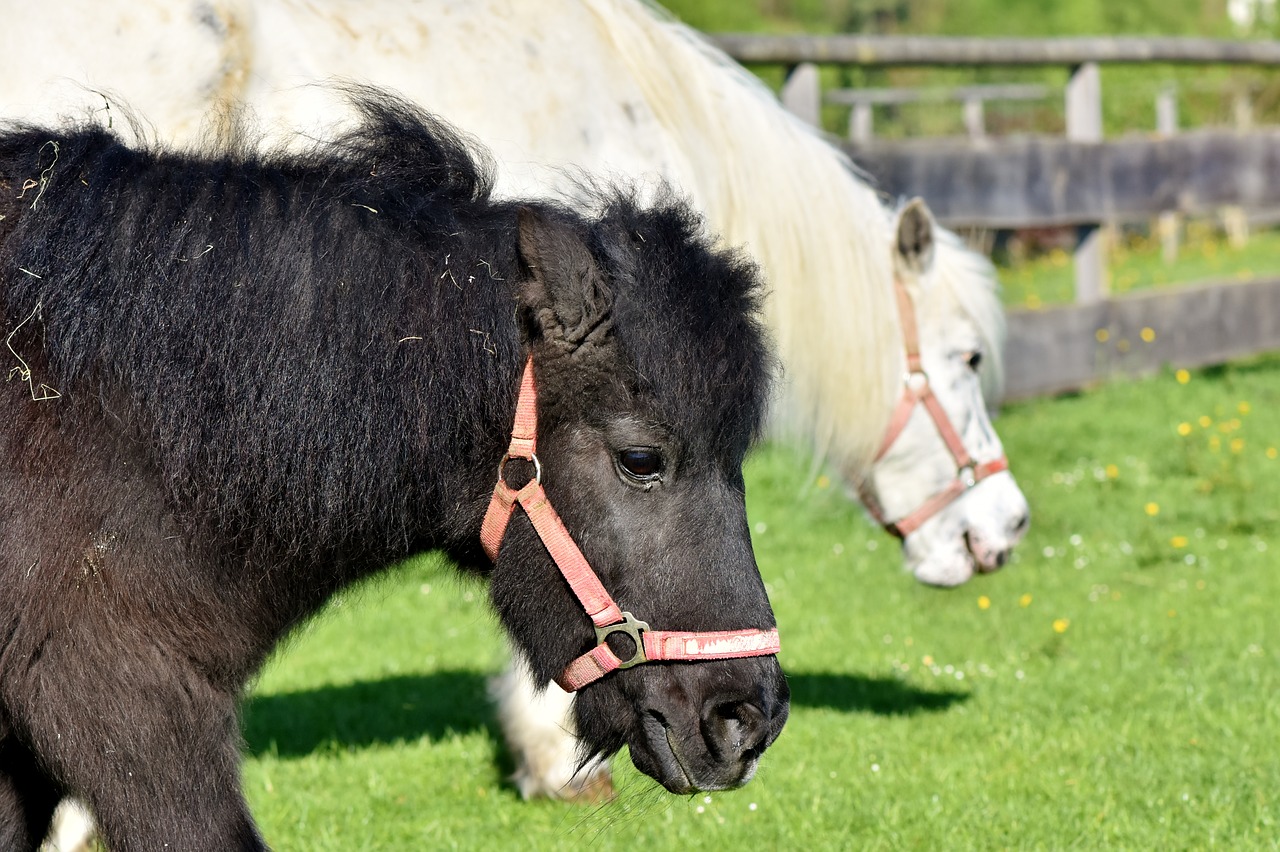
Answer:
(640, 463)
(974, 361)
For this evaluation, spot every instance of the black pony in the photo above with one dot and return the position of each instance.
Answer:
(238, 384)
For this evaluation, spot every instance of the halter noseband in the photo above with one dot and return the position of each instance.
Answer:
(916, 391)
(605, 614)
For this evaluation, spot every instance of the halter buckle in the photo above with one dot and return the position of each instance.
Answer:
(633, 628)
(533, 457)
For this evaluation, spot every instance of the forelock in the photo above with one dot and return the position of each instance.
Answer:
(688, 319)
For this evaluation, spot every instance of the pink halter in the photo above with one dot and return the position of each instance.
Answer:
(605, 614)
(916, 391)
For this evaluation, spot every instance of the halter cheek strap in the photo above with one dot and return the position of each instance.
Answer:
(916, 391)
(604, 613)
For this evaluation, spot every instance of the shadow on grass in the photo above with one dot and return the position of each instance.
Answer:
(358, 715)
(857, 694)
(409, 707)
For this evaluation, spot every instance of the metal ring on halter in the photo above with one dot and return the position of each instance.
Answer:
(632, 627)
(968, 476)
(533, 457)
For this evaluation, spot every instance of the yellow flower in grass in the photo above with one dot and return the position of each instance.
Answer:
(1148, 334)
(984, 602)
(1182, 376)
(1178, 541)
(1271, 452)
(1152, 509)
(1244, 408)
(1102, 335)
(1112, 471)
(1184, 429)
(1237, 444)
(1060, 625)
(1025, 600)
(1205, 421)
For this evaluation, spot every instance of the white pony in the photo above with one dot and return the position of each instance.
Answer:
(613, 89)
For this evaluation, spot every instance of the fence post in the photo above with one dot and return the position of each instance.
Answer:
(1084, 124)
(801, 94)
(974, 119)
(1169, 223)
(1242, 107)
(1234, 220)
(861, 122)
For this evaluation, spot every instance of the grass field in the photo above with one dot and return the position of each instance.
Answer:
(1115, 685)
(1135, 263)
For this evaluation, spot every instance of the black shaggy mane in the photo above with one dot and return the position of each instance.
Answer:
(271, 324)
(280, 331)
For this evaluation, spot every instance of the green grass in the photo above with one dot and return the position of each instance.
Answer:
(1136, 264)
(1116, 685)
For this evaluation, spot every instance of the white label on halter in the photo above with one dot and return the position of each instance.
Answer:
(727, 645)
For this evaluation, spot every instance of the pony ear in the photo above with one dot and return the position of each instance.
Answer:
(913, 242)
(564, 292)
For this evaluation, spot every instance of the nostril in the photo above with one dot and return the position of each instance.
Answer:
(1001, 558)
(737, 729)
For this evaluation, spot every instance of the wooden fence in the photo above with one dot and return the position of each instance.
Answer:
(974, 99)
(1081, 180)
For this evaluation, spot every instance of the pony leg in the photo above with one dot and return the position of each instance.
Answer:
(127, 724)
(164, 774)
(27, 797)
(540, 731)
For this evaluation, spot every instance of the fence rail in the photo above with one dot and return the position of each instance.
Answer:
(941, 50)
(1043, 181)
(1070, 347)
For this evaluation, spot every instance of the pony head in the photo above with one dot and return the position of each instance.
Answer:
(652, 374)
(958, 328)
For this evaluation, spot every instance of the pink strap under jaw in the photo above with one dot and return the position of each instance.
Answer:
(916, 391)
(605, 614)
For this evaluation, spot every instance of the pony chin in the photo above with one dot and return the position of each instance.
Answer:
(949, 566)
(937, 554)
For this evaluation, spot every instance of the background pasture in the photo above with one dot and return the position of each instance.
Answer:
(1114, 685)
